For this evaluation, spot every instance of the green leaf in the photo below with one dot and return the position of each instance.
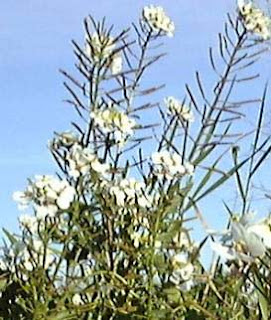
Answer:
(175, 226)
(3, 283)
(159, 314)
(173, 294)
(172, 205)
(193, 315)
(203, 155)
(263, 302)
(10, 237)
(206, 178)
(165, 238)
(223, 179)
(238, 176)
(160, 262)
(61, 315)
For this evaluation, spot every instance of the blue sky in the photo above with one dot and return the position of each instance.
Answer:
(35, 40)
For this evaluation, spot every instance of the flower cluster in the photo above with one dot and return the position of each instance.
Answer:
(114, 122)
(175, 107)
(29, 222)
(255, 20)
(177, 249)
(82, 162)
(127, 192)
(182, 274)
(157, 20)
(48, 194)
(170, 165)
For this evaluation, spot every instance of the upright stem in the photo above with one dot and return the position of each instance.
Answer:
(152, 240)
(139, 70)
(221, 86)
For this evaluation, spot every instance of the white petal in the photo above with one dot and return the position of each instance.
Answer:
(223, 251)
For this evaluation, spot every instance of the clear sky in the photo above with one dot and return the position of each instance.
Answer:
(35, 41)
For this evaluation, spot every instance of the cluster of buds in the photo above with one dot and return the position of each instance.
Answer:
(100, 47)
(175, 107)
(170, 165)
(157, 20)
(254, 19)
(65, 139)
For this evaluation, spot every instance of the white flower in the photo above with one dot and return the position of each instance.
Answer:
(157, 280)
(29, 222)
(230, 253)
(176, 107)
(22, 198)
(19, 196)
(145, 201)
(128, 193)
(158, 244)
(47, 194)
(223, 251)
(37, 245)
(251, 242)
(65, 198)
(77, 300)
(137, 238)
(116, 64)
(189, 168)
(101, 168)
(3, 266)
(178, 261)
(47, 210)
(255, 20)
(26, 260)
(248, 241)
(115, 122)
(182, 271)
(181, 240)
(263, 231)
(169, 165)
(82, 160)
(186, 272)
(241, 4)
(79, 160)
(119, 195)
(157, 20)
